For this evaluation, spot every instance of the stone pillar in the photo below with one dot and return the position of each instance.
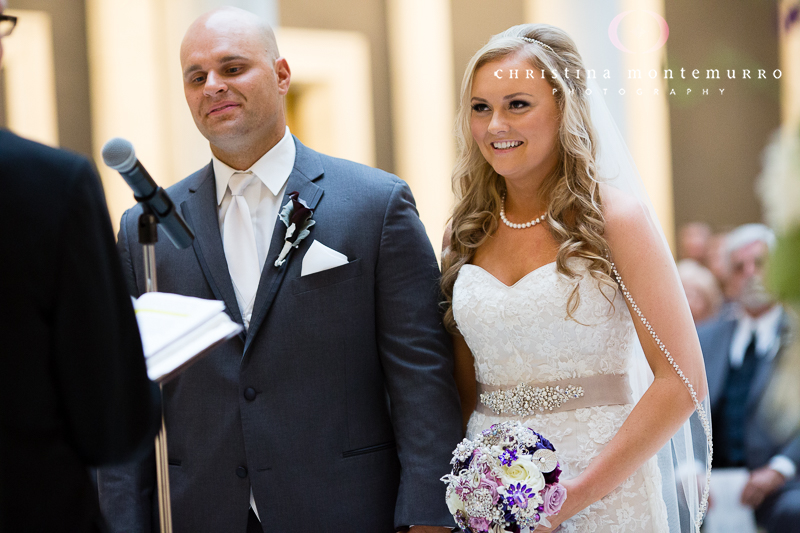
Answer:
(423, 107)
(789, 21)
(29, 75)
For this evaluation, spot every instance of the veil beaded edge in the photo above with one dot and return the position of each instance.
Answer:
(701, 411)
(683, 453)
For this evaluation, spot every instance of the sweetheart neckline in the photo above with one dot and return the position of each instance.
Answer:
(520, 280)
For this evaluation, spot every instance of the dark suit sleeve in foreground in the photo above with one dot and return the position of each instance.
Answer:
(417, 360)
(110, 405)
(127, 491)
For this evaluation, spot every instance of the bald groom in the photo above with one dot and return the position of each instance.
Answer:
(336, 409)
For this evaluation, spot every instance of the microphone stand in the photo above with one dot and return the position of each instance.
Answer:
(148, 237)
(157, 208)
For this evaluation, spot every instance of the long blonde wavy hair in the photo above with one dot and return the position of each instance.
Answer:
(575, 209)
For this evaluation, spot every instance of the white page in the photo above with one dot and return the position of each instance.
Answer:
(727, 513)
(214, 331)
(165, 318)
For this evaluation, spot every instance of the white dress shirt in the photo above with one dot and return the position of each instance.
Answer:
(767, 331)
(263, 197)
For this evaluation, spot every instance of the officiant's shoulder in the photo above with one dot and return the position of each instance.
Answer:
(56, 167)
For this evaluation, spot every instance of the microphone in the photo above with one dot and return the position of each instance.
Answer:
(119, 155)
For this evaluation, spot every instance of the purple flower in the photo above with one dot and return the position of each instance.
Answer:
(508, 457)
(485, 469)
(491, 485)
(462, 489)
(300, 212)
(296, 215)
(518, 495)
(554, 497)
(544, 444)
(479, 523)
(552, 477)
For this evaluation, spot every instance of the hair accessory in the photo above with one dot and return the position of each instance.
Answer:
(540, 43)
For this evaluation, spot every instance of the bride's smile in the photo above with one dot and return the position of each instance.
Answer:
(544, 228)
(514, 121)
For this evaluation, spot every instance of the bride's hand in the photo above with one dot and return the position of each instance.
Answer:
(575, 502)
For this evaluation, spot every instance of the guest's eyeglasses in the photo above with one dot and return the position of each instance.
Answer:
(7, 25)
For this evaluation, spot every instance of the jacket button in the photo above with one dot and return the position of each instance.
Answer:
(249, 394)
(241, 472)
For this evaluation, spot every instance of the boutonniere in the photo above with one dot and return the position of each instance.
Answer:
(297, 216)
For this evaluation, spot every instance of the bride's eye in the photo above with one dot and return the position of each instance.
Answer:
(479, 108)
(518, 104)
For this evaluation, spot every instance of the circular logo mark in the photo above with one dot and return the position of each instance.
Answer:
(613, 31)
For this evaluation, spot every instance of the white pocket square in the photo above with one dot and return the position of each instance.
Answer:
(319, 257)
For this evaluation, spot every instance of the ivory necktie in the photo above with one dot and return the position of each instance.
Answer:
(239, 243)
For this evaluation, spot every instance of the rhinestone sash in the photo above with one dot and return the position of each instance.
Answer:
(554, 396)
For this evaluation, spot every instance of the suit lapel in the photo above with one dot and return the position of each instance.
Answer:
(307, 168)
(719, 361)
(200, 211)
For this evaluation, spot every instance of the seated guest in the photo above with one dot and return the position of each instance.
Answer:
(73, 387)
(742, 347)
(701, 288)
(716, 263)
(693, 241)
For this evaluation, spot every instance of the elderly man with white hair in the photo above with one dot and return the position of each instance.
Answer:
(741, 347)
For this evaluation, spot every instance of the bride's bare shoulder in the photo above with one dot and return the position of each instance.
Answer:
(627, 220)
(620, 206)
(622, 211)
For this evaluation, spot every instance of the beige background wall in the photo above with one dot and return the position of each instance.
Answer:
(790, 59)
(717, 140)
(474, 25)
(71, 70)
(367, 17)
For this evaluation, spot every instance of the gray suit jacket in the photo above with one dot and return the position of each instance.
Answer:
(715, 339)
(353, 411)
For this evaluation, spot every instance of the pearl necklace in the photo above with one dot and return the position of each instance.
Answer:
(511, 224)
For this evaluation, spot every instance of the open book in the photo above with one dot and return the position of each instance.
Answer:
(176, 330)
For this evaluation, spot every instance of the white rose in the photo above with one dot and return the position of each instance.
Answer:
(454, 503)
(522, 471)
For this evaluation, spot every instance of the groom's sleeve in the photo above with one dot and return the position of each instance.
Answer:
(417, 359)
(792, 450)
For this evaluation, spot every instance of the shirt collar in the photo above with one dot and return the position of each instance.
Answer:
(767, 330)
(272, 169)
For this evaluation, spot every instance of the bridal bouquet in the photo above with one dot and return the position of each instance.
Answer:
(506, 479)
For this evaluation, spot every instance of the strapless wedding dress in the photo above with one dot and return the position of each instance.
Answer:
(522, 334)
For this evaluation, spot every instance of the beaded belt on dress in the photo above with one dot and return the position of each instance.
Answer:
(554, 396)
